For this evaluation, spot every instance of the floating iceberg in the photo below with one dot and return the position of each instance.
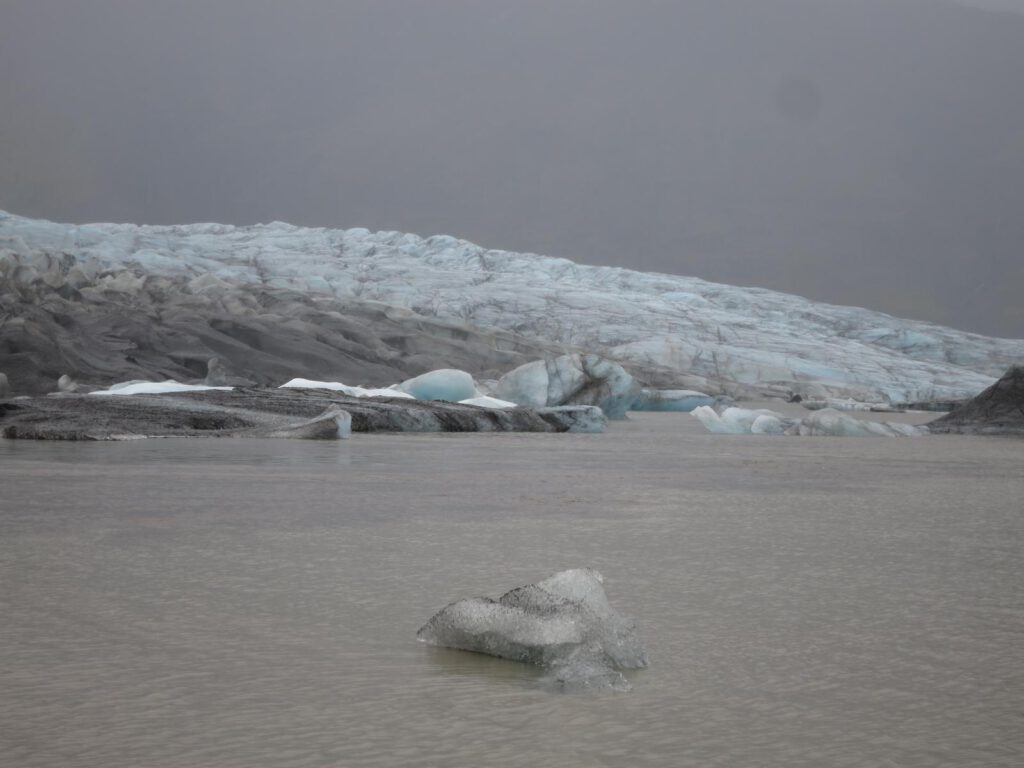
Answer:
(740, 421)
(446, 384)
(833, 423)
(154, 388)
(678, 400)
(571, 380)
(828, 422)
(563, 623)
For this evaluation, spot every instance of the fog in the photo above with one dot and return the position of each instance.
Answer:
(868, 152)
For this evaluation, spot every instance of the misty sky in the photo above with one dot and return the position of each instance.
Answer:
(868, 152)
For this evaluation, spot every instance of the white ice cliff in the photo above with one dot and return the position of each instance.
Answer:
(708, 334)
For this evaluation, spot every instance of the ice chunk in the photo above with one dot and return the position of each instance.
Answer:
(526, 385)
(154, 388)
(337, 386)
(444, 384)
(571, 380)
(679, 400)
(833, 423)
(741, 421)
(486, 401)
(564, 623)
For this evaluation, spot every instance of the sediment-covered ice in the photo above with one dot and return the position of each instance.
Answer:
(575, 379)
(154, 388)
(563, 623)
(824, 422)
(445, 384)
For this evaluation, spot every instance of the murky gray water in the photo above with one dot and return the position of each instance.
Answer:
(806, 601)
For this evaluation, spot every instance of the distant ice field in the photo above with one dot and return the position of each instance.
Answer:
(706, 332)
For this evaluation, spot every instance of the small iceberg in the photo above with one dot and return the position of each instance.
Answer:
(825, 422)
(564, 624)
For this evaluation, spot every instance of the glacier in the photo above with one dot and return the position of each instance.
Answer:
(682, 331)
(563, 623)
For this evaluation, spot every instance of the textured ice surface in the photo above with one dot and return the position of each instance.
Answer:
(444, 384)
(571, 380)
(680, 400)
(337, 386)
(154, 388)
(827, 422)
(707, 332)
(563, 623)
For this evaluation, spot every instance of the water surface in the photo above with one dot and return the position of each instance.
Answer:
(805, 601)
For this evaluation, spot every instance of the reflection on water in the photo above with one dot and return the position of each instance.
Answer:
(805, 602)
(451, 663)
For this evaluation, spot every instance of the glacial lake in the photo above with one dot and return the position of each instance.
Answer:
(229, 603)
